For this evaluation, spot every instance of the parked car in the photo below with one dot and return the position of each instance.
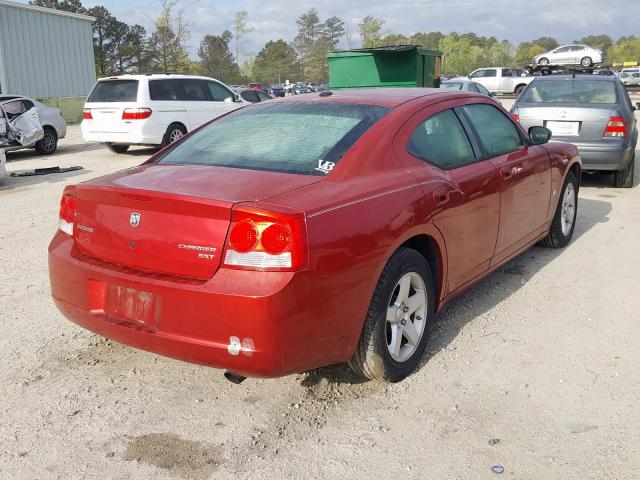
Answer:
(571, 55)
(604, 71)
(153, 109)
(49, 119)
(464, 85)
(500, 80)
(254, 96)
(320, 246)
(300, 88)
(630, 79)
(277, 90)
(3, 161)
(591, 111)
(255, 86)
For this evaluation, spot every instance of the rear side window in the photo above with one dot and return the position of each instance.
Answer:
(194, 90)
(497, 134)
(306, 138)
(219, 92)
(250, 96)
(442, 141)
(570, 91)
(163, 90)
(114, 91)
(473, 88)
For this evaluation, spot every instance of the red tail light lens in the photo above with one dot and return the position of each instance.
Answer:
(266, 240)
(616, 127)
(136, 113)
(68, 207)
(516, 117)
(86, 114)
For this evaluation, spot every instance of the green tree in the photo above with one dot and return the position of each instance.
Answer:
(547, 43)
(103, 44)
(429, 40)
(627, 49)
(216, 59)
(73, 6)
(602, 42)
(394, 39)
(333, 30)
(276, 62)
(460, 56)
(527, 51)
(309, 31)
(166, 46)
(371, 32)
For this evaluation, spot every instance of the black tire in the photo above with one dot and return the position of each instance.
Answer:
(372, 358)
(174, 132)
(624, 178)
(543, 61)
(556, 238)
(115, 148)
(49, 143)
(520, 89)
(586, 61)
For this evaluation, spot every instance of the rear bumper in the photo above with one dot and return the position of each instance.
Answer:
(141, 133)
(252, 323)
(605, 157)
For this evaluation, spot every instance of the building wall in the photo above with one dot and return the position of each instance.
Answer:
(45, 54)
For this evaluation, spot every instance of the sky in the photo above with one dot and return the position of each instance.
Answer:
(515, 20)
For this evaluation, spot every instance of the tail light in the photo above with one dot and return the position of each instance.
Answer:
(516, 117)
(266, 240)
(136, 113)
(616, 127)
(68, 207)
(86, 114)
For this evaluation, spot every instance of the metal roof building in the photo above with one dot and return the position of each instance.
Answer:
(45, 53)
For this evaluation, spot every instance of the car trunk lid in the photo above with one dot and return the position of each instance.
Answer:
(169, 219)
(569, 122)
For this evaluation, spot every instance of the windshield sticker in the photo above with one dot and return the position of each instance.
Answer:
(325, 166)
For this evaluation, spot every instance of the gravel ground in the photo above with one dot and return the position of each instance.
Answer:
(534, 370)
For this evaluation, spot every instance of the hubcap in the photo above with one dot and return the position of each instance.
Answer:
(175, 135)
(568, 214)
(406, 317)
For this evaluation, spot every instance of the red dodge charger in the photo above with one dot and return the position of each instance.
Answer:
(299, 233)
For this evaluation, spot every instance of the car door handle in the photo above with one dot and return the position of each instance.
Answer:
(441, 196)
(508, 172)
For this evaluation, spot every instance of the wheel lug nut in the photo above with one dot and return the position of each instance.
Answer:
(405, 309)
(403, 322)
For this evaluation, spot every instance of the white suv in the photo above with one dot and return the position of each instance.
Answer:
(154, 109)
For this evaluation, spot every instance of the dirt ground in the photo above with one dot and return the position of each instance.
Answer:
(534, 372)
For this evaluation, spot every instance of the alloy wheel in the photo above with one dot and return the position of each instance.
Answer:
(175, 135)
(567, 217)
(406, 317)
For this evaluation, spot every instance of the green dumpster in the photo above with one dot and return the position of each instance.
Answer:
(396, 66)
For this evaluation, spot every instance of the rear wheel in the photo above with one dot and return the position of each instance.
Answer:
(624, 178)
(396, 328)
(117, 148)
(586, 62)
(520, 89)
(564, 220)
(543, 61)
(49, 143)
(174, 132)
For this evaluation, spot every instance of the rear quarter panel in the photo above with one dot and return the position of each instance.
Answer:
(564, 157)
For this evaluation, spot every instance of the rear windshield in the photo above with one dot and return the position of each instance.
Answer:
(303, 138)
(114, 91)
(570, 91)
(451, 85)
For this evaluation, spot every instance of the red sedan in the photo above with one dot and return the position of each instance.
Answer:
(294, 234)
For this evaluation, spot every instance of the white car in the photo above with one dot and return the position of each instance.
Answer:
(571, 55)
(49, 119)
(3, 159)
(155, 109)
(630, 79)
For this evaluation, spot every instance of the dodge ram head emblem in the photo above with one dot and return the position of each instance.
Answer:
(134, 221)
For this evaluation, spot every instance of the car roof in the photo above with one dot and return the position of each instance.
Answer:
(595, 78)
(9, 97)
(129, 76)
(382, 96)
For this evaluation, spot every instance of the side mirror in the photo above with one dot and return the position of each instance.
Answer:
(637, 105)
(539, 135)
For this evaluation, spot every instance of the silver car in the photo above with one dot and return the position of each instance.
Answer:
(571, 55)
(51, 120)
(465, 85)
(630, 79)
(593, 112)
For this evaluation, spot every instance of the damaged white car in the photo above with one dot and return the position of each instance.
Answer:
(27, 123)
